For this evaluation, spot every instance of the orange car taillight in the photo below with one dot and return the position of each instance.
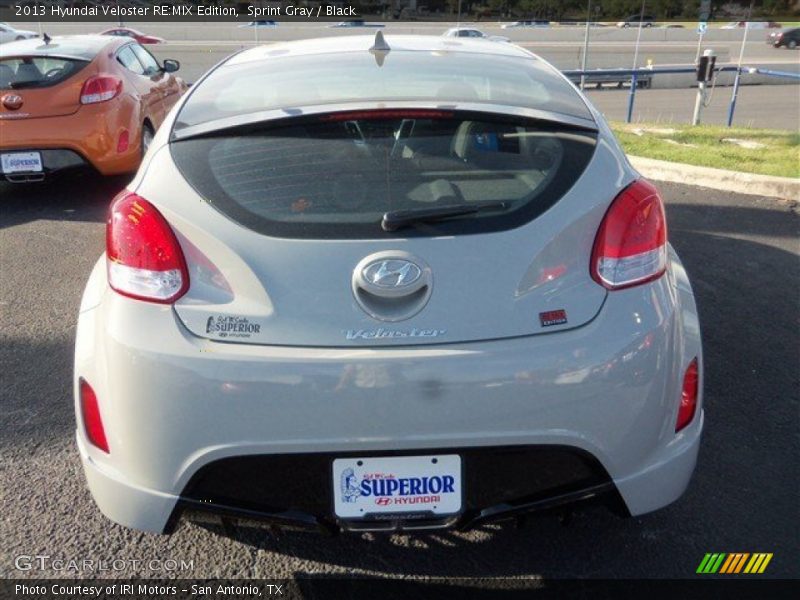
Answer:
(100, 88)
(631, 244)
(144, 258)
(90, 412)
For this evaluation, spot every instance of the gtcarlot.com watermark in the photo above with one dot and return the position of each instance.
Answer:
(44, 562)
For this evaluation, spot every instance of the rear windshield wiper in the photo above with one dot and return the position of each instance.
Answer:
(17, 85)
(398, 219)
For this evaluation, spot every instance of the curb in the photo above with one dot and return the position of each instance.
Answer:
(718, 179)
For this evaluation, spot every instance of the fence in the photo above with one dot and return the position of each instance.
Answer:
(645, 74)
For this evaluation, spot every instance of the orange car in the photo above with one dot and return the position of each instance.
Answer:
(76, 100)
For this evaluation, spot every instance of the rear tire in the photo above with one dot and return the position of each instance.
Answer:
(791, 45)
(147, 138)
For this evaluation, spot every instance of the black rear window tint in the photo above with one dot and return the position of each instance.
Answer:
(337, 178)
(82, 47)
(37, 72)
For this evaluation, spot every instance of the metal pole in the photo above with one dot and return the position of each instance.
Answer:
(735, 92)
(698, 103)
(774, 73)
(702, 86)
(632, 94)
(699, 43)
(586, 43)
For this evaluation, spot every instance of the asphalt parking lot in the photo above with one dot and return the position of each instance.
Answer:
(742, 254)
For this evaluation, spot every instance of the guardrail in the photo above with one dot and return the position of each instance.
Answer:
(634, 76)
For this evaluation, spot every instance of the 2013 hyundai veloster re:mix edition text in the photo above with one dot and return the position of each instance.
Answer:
(385, 283)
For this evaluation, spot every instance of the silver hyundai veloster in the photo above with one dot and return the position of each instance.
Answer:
(372, 283)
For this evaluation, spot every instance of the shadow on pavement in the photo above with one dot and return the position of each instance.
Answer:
(85, 196)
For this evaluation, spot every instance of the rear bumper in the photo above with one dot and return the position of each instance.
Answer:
(174, 406)
(91, 134)
(151, 510)
(53, 161)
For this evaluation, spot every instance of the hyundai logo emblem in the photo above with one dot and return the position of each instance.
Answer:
(392, 285)
(12, 101)
(396, 273)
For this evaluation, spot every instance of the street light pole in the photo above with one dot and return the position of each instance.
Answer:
(586, 43)
(735, 92)
(632, 94)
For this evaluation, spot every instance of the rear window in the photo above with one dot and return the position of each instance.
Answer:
(336, 176)
(440, 77)
(37, 72)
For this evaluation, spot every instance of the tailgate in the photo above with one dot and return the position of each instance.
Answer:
(38, 87)
(282, 231)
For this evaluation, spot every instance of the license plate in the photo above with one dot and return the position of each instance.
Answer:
(21, 162)
(397, 484)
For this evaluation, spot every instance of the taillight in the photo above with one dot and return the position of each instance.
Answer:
(90, 412)
(688, 397)
(144, 258)
(100, 88)
(631, 244)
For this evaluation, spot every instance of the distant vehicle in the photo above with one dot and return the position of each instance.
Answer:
(80, 100)
(634, 20)
(516, 24)
(259, 24)
(751, 25)
(788, 39)
(465, 32)
(9, 33)
(127, 32)
(356, 23)
(576, 23)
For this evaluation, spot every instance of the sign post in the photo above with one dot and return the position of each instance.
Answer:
(702, 27)
(705, 72)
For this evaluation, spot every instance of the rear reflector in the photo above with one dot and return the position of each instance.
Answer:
(90, 412)
(100, 88)
(688, 397)
(631, 244)
(122, 143)
(144, 258)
